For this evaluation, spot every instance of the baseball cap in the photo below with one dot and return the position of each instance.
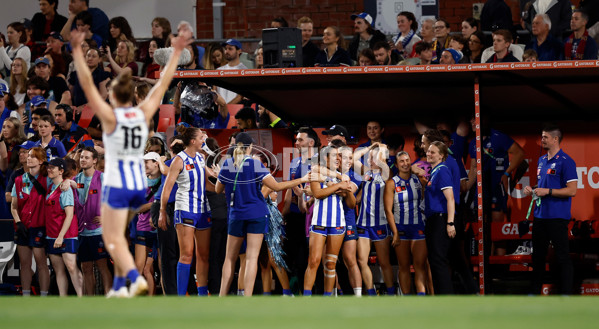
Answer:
(40, 60)
(27, 23)
(3, 89)
(38, 100)
(456, 54)
(152, 156)
(336, 130)
(244, 138)
(57, 162)
(364, 16)
(54, 35)
(27, 145)
(233, 42)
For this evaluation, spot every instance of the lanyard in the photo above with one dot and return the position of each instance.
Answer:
(237, 175)
(436, 169)
(535, 199)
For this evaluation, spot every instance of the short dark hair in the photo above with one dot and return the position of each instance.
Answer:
(86, 17)
(381, 44)
(554, 130)
(337, 143)
(507, 35)
(68, 111)
(422, 46)
(583, 14)
(444, 22)
(48, 118)
(473, 22)
(246, 113)
(395, 141)
(38, 82)
(433, 135)
(311, 134)
(281, 21)
(41, 111)
(19, 28)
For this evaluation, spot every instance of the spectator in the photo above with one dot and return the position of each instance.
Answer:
(36, 86)
(279, 22)
(333, 53)
(424, 51)
(530, 56)
(47, 20)
(119, 31)
(476, 43)
(458, 43)
(496, 15)
(37, 50)
(52, 146)
(309, 49)
(406, 39)
(427, 31)
(69, 133)
(441, 38)
(246, 118)
(232, 53)
(366, 36)
(579, 45)
(19, 169)
(216, 58)
(58, 87)
(502, 39)
(559, 13)
(54, 44)
(123, 60)
(58, 67)
(374, 131)
(36, 115)
(15, 47)
(336, 132)
(366, 57)
(267, 119)
(450, 56)
(88, 184)
(18, 80)
(99, 76)
(99, 19)
(383, 54)
(259, 58)
(546, 45)
(84, 23)
(150, 67)
(12, 136)
(469, 26)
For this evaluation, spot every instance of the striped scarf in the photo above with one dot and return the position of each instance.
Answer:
(579, 50)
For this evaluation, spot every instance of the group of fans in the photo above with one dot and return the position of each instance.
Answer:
(72, 190)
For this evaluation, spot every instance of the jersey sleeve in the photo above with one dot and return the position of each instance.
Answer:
(444, 178)
(13, 192)
(67, 199)
(505, 141)
(62, 152)
(569, 169)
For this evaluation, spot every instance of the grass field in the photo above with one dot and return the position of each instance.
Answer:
(305, 313)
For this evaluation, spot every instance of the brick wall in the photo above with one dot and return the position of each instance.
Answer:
(246, 18)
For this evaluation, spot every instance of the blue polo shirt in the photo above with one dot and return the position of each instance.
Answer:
(248, 201)
(350, 213)
(55, 149)
(158, 193)
(494, 153)
(555, 173)
(458, 146)
(434, 200)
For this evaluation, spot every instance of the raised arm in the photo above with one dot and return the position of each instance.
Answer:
(94, 98)
(150, 105)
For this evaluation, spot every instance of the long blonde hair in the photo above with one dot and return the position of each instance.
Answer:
(18, 84)
(130, 53)
(239, 154)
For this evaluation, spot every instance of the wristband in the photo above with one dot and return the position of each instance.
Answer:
(550, 191)
(507, 174)
(450, 224)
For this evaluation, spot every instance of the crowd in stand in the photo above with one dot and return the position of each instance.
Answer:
(339, 201)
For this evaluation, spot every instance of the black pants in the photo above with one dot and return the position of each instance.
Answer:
(295, 247)
(438, 243)
(218, 248)
(168, 244)
(554, 230)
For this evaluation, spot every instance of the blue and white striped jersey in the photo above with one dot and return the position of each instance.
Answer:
(372, 208)
(191, 196)
(407, 201)
(328, 212)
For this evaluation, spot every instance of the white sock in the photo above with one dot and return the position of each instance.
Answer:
(26, 292)
(43, 293)
(334, 291)
(358, 292)
(240, 292)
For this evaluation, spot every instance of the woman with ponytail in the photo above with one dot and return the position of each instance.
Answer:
(241, 178)
(125, 130)
(192, 212)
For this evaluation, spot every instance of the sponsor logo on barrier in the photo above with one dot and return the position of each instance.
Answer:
(313, 70)
(563, 64)
(283, 71)
(585, 63)
(222, 73)
(469, 67)
(459, 67)
(272, 71)
(386, 69)
(344, 69)
(395, 68)
(303, 70)
(242, 72)
(597, 63)
(187, 73)
(491, 66)
(354, 69)
(324, 70)
(481, 66)
(512, 65)
(292, 70)
(510, 229)
(534, 64)
(448, 67)
(211, 73)
(437, 67)
(373, 69)
(543, 64)
(235, 72)
(520, 65)
(576, 63)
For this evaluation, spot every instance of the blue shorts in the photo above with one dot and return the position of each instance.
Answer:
(350, 230)
(374, 233)
(91, 248)
(121, 198)
(410, 231)
(69, 245)
(326, 231)
(499, 199)
(146, 238)
(197, 221)
(36, 238)
(241, 227)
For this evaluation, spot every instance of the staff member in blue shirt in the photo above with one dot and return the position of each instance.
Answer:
(556, 179)
(241, 177)
(440, 213)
